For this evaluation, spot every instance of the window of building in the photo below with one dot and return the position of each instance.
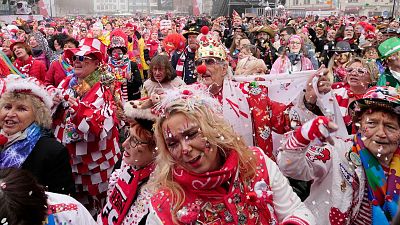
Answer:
(306, 1)
(353, 1)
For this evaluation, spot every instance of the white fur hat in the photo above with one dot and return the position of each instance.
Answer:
(30, 85)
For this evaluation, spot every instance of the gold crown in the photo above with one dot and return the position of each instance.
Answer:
(210, 47)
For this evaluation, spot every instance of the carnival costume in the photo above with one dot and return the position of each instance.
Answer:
(224, 196)
(349, 184)
(90, 132)
(246, 106)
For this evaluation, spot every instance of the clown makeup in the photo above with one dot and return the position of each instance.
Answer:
(117, 53)
(187, 145)
(381, 134)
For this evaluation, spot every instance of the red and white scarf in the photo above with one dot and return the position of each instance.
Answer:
(24, 66)
(180, 65)
(124, 194)
(207, 196)
(343, 95)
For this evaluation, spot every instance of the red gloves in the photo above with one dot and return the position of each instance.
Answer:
(316, 128)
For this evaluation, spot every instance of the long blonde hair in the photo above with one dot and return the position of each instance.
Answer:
(217, 132)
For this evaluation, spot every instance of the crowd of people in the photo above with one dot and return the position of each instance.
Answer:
(174, 120)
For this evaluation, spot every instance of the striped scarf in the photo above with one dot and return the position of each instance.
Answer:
(383, 193)
(343, 94)
(180, 66)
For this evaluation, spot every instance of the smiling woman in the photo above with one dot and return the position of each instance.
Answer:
(127, 201)
(360, 75)
(24, 122)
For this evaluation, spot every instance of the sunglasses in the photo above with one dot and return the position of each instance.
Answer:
(207, 61)
(357, 70)
(81, 58)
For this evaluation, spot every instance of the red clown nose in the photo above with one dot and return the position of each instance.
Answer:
(202, 69)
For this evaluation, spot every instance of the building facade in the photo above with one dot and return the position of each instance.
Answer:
(111, 6)
(342, 7)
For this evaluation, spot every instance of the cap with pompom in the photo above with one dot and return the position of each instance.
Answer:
(118, 39)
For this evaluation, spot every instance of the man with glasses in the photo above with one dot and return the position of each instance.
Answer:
(86, 123)
(390, 53)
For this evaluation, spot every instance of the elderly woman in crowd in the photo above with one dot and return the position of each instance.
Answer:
(128, 202)
(360, 75)
(207, 174)
(355, 180)
(25, 63)
(86, 123)
(25, 202)
(162, 76)
(25, 118)
(294, 60)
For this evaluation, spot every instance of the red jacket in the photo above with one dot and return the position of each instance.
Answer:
(55, 74)
(37, 69)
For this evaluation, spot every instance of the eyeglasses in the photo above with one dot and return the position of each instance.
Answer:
(81, 58)
(295, 43)
(356, 70)
(133, 142)
(207, 61)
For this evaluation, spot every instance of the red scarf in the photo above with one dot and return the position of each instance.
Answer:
(219, 196)
(180, 65)
(124, 194)
(24, 66)
(343, 95)
(208, 184)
